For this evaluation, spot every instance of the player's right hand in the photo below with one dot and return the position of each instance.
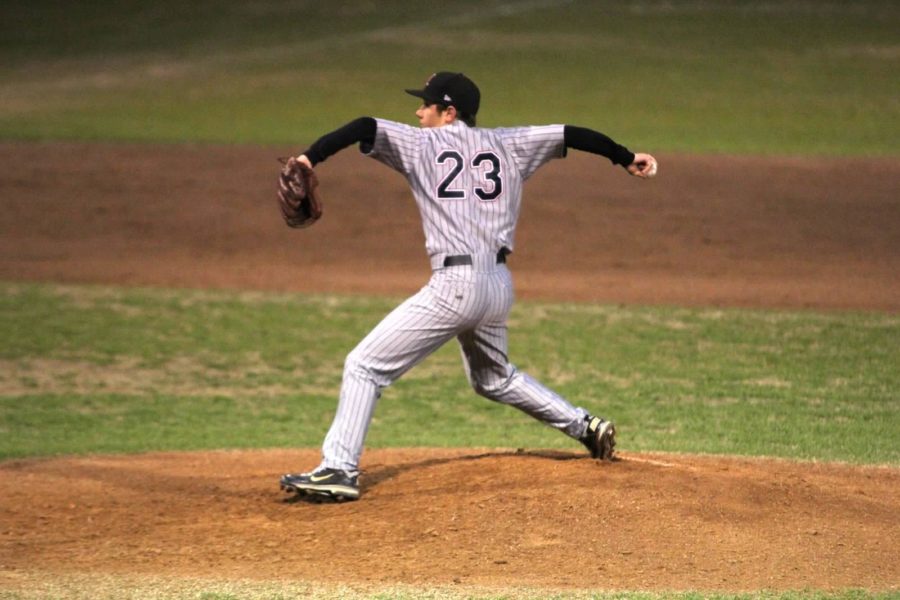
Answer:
(644, 166)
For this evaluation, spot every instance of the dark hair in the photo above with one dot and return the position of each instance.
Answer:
(467, 119)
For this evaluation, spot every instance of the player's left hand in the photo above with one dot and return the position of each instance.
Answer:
(644, 166)
(298, 197)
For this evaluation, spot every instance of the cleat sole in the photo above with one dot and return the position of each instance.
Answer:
(338, 493)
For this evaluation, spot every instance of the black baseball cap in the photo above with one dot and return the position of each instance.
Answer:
(451, 89)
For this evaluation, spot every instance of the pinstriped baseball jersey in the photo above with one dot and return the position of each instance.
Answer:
(467, 182)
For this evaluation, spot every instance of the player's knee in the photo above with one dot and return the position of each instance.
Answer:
(357, 366)
(492, 387)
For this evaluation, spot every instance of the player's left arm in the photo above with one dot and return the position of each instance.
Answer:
(361, 130)
(588, 140)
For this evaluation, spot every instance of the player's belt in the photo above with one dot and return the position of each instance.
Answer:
(459, 260)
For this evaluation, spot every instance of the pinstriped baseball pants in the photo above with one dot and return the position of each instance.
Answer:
(470, 303)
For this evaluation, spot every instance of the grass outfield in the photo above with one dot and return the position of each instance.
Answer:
(95, 369)
(796, 77)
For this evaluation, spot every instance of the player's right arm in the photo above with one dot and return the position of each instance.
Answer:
(588, 140)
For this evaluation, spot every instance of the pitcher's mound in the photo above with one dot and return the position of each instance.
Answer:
(477, 517)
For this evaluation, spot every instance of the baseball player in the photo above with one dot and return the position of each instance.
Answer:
(467, 183)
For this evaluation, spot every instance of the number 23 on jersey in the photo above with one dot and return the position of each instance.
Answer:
(489, 183)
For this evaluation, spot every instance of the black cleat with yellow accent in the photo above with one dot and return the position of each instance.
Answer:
(327, 483)
(599, 438)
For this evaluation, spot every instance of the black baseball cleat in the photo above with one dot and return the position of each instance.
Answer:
(599, 438)
(328, 483)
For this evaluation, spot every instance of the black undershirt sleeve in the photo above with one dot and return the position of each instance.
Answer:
(361, 130)
(595, 142)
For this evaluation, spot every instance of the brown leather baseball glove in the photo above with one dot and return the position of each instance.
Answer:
(297, 195)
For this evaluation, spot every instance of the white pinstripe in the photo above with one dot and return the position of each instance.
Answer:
(470, 303)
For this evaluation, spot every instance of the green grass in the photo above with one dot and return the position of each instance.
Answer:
(798, 77)
(93, 369)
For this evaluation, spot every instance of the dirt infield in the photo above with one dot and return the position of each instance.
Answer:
(708, 230)
(482, 517)
(753, 232)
